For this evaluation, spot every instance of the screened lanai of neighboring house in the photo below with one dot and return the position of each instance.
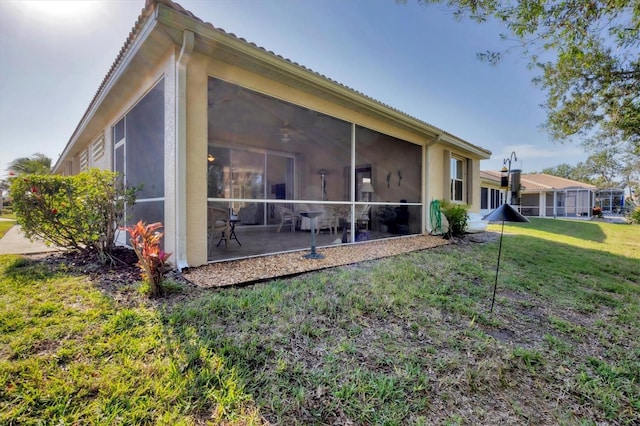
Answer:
(552, 196)
(541, 195)
(610, 200)
(271, 162)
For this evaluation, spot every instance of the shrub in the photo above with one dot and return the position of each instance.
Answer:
(145, 240)
(596, 212)
(81, 212)
(456, 215)
(635, 215)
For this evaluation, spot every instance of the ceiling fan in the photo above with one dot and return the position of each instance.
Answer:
(287, 133)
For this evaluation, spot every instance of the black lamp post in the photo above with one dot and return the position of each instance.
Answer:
(505, 213)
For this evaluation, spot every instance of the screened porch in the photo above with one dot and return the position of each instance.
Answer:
(272, 164)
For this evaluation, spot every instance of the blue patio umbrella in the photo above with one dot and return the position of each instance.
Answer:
(504, 213)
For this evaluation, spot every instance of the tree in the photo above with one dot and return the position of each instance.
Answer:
(604, 169)
(37, 164)
(582, 173)
(603, 166)
(563, 170)
(592, 79)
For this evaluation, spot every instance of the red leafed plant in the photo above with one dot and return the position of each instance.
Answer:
(145, 240)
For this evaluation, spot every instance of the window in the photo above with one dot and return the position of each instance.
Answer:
(496, 198)
(457, 179)
(138, 143)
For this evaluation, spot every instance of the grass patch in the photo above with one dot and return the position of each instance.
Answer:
(5, 226)
(399, 341)
(71, 355)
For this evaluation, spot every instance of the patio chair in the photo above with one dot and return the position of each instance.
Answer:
(329, 219)
(362, 213)
(287, 216)
(218, 225)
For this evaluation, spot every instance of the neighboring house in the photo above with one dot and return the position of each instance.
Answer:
(206, 121)
(545, 195)
(491, 194)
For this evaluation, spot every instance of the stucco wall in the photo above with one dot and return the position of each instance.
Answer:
(132, 85)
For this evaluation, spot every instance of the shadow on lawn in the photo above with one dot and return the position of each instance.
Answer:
(352, 344)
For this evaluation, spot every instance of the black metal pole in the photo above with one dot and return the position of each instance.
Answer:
(313, 238)
(495, 285)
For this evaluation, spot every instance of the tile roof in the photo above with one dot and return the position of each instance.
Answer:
(540, 181)
(490, 175)
(545, 181)
(148, 11)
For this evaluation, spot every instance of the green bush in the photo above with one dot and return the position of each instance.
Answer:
(635, 215)
(81, 212)
(456, 215)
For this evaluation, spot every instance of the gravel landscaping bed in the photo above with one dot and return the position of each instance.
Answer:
(228, 273)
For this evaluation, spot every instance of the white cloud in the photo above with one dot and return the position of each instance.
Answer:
(532, 158)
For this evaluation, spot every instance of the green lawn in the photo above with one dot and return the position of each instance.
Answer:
(399, 341)
(5, 226)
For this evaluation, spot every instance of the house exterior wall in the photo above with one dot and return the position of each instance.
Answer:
(152, 57)
(439, 175)
(197, 76)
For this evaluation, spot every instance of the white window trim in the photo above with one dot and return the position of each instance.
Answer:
(454, 179)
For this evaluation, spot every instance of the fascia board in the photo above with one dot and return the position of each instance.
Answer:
(451, 140)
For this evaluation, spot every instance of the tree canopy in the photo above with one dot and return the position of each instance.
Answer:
(37, 164)
(591, 67)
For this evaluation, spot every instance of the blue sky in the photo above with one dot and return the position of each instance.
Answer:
(420, 60)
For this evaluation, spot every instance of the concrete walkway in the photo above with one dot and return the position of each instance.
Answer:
(14, 242)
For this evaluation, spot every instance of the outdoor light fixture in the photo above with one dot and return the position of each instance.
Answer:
(211, 158)
(505, 213)
(504, 177)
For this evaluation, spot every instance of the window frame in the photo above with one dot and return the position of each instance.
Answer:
(454, 169)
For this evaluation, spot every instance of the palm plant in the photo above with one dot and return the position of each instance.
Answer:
(37, 164)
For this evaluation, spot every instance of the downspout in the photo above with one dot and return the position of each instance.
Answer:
(427, 170)
(181, 150)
